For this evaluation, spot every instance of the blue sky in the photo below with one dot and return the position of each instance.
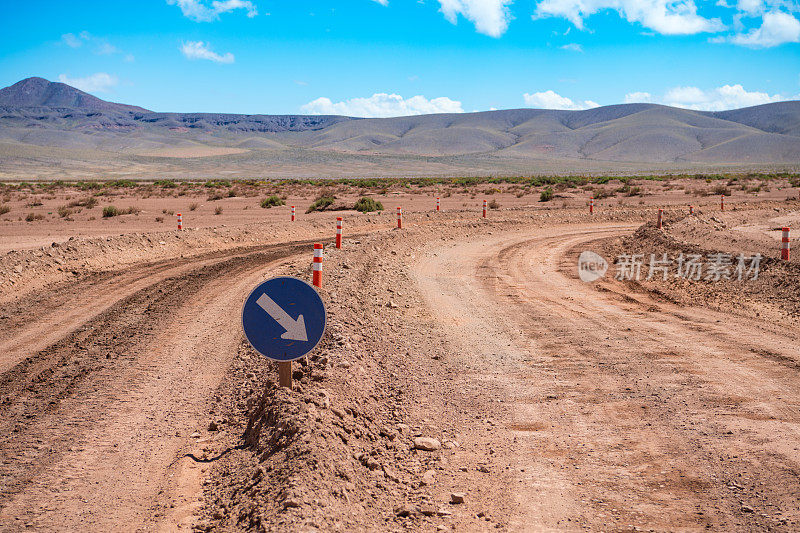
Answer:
(397, 57)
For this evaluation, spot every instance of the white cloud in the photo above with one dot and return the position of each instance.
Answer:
(552, 100)
(572, 47)
(383, 105)
(638, 97)
(96, 83)
(669, 17)
(106, 49)
(750, 6)
(100, 45)
(719, 99)
(382, 2)
(200, 50)
(490, 17)
(71, 40)
(200, 12)
(777, 28)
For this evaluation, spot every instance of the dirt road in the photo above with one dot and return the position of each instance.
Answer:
(564, 405)
(621, 411)
(92, 424)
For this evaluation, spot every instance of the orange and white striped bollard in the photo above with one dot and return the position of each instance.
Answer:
(660, 218)
(691, 210)
(316, 266)
(399, 217)
(293, 213)
(484, 209)
(438, 203)
(722, 203)
(180, 221)
(338, 232)
(785, 244)
(591, 205)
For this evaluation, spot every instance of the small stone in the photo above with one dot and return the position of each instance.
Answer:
(391, 474)
(483, 468)
(372, 463)
(195, 435)
(406, 509)
(345, 364)
(428, 478)
(747, 509)
(427, 509)
(290, 503)
(456, 497)
(427, 444)
(212, 426)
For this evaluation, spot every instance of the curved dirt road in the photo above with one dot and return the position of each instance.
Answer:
(622, 412)
(91, 426)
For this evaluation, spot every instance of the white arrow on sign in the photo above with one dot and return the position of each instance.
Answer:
(295, 329)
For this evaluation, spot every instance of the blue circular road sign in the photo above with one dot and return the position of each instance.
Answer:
(284, 318)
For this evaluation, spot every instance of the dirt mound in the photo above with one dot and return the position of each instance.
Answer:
(775, 291)
(337, 452)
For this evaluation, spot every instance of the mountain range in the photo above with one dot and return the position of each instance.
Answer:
(52, 130)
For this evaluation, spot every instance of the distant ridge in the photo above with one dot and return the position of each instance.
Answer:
(38, 92)
(53, 129)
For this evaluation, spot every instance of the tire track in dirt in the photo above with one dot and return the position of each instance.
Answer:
(39, 319)
(89, 425)
(623, 415)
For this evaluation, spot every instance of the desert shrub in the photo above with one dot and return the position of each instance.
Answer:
(627, 190)
(159, 219)
(546, 195)
(166, 184)
(64, 211)
(31, 217)
(111, 211)
(721, 189)
(213, 184)
(493, 204)
(88, 203)
(34, 203)
(599, 194)
(366, 205)
(321, 203)
(218, 210)
(272, 201)
(520, 194)
(88, 185)
(193, 206)
(4, 209)
(214, 196)
(122, 183)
